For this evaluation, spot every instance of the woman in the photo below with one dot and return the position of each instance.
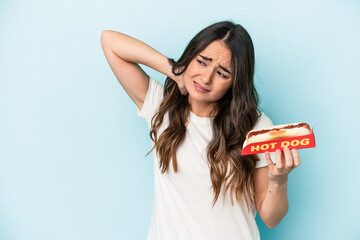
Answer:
(198, 122)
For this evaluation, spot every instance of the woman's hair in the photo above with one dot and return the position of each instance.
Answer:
(235, 114)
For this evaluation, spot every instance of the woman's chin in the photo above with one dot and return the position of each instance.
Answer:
(196, 97)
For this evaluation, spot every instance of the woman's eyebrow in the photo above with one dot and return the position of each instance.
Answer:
(206, 58)
(210, 59)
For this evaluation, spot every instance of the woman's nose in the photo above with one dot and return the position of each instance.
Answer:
(207, 76)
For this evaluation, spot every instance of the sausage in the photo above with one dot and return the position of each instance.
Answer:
(278, 132)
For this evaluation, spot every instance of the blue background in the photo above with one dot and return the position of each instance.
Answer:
(72, 150)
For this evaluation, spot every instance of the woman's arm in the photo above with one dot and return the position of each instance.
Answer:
(124, 53)
(135, 51)
(271, 187)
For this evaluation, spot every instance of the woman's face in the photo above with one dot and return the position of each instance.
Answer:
(208, 76)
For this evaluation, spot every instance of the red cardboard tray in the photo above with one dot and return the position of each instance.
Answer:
(305, 141)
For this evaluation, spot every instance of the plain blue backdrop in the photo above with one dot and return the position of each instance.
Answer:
(72, 150)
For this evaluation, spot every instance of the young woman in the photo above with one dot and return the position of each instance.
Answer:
(198, 122)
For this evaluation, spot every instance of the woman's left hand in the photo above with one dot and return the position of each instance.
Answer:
(284, 164)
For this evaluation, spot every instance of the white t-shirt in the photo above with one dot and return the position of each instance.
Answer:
(182, 207)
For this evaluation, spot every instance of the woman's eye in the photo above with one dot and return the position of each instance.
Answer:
(202, 63)
(222, 75)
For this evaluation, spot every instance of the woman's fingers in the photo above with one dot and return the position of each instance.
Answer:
(296, 158)
(268, 160)
(279, 165)
(183, 91)
(179, 79)
(285, 161)
(288, 159)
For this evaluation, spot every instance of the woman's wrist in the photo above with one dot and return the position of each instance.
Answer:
(278, 184)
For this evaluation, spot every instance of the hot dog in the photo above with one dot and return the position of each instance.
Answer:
(278, 132)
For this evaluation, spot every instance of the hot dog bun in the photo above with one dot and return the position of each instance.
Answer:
(278, 132)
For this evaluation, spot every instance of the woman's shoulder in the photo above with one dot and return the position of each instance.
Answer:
(156, 85)
(263, 121)
(152, 100)
(156, 88)
(155, 81)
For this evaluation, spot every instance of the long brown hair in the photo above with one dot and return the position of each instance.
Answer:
(236, 114)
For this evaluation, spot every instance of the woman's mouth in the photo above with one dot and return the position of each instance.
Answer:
(199, 88)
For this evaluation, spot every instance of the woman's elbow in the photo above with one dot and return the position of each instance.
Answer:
(271, 225)
(103, 36)
(273, 222)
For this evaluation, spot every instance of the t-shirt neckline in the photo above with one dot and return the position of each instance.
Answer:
(199, 119)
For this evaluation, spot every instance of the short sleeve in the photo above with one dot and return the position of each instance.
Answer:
(152, 100)
(263, 122)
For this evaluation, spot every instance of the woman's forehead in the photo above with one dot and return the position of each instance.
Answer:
(218, 52)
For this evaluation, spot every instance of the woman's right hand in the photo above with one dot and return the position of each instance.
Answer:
(181, 84)
(179, 79)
